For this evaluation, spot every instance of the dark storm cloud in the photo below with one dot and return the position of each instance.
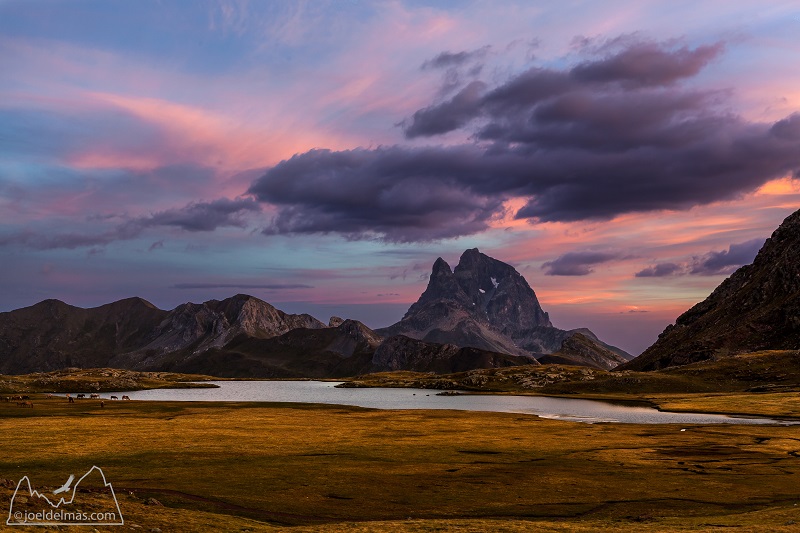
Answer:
(246, 286)
(788, 128)
(638, 66)
(647, 64)
(660, 270)
(449, 115)
(398, 194)
(726, 261)
(194, 217)
(578, 263)
(613, 135)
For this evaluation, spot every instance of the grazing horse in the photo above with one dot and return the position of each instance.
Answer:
(25, 404)
(126, 397)
(114, 398)
(71, 399)
(94, 396)
(79, 396)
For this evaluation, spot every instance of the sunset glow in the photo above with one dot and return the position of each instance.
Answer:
(339, 148)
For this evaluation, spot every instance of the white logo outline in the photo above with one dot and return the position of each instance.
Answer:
(12, 521)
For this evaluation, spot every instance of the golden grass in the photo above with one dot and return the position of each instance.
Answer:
(233, 467)
(778, 404)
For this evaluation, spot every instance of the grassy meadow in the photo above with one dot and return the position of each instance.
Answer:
(276, 467)
(97, 380)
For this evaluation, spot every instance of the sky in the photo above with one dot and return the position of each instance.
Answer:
(625, 157)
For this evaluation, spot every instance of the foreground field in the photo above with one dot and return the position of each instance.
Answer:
(239, 467)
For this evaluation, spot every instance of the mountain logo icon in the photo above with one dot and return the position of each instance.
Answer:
(96, 505)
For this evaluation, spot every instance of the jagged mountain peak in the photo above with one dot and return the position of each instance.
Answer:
(475, 286)
(487, 304)
(442, 287)
(441, 267)
(464, 306)
(499, 292)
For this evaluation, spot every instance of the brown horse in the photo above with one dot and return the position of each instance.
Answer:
(25, 404)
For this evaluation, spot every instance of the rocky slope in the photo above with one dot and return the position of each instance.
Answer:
(486, 304)
(344, 350)
(756, 308)
(52, 335)
(404, 353)
(579, 349)
(197, 328)
(240, 336)
(131, 333)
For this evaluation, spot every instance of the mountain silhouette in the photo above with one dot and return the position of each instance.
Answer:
(484, 307)
(756, 308)
(485, 303)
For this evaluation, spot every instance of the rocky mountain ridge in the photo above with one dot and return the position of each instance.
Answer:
(483, 314)
(756, 308)
(240, 336)
(485, 303)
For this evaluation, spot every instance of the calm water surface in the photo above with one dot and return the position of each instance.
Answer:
(325, 392)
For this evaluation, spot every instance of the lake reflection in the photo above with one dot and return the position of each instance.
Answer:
(380, 398)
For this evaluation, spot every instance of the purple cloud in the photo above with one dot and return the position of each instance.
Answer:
(709, 264)
(726, 261)
(449, 115)
(397, 194)
(660, 270)
(614, 135)
(647, 64)
(203, 216)
(578, 263)
(456, 59)
(194, 217)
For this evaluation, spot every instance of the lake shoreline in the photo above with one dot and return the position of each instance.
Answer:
(569, 408)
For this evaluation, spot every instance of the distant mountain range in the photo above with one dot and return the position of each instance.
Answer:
(483, 315)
